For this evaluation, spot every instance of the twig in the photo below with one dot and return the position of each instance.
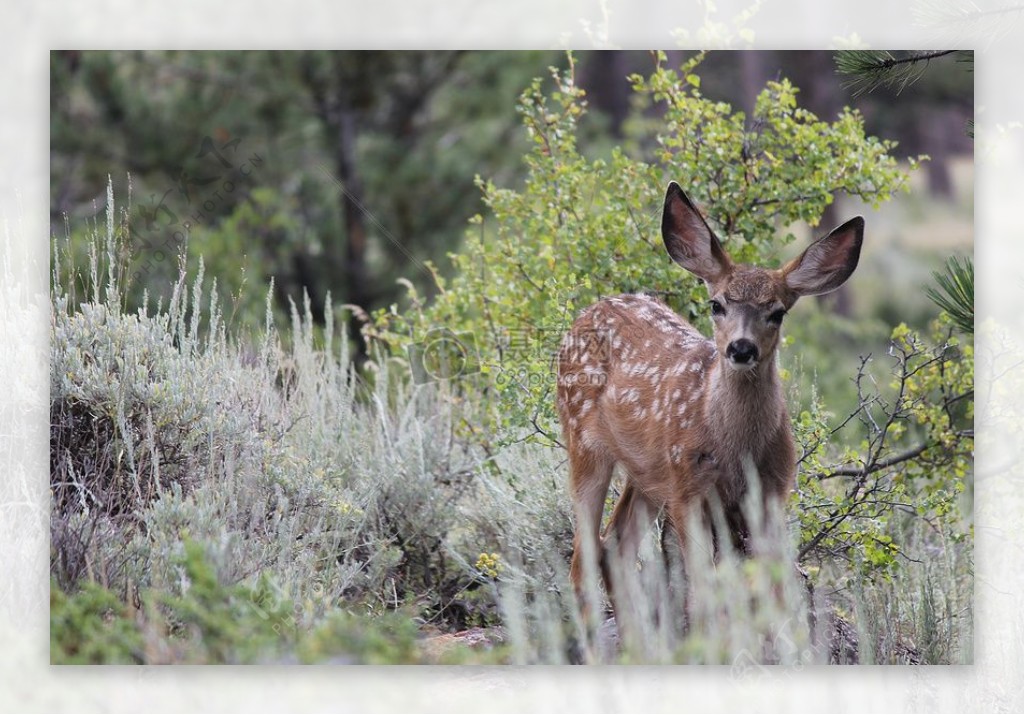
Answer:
(878, 465)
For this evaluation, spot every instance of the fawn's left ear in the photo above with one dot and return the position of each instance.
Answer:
(828, 262)
(689, 240)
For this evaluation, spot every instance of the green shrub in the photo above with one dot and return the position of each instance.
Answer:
(854, 499)
(342, 638)
(207, 621)
(583, 228)
(92, 627)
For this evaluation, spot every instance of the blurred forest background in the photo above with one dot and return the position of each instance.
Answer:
(342, 172)
(233, 478)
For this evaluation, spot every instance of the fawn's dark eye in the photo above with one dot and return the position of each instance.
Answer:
(776, 317)
(717, 308)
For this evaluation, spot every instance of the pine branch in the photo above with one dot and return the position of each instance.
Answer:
(869, 69)
(955, 292)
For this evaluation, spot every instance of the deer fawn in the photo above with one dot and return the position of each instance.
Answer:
(688, 418)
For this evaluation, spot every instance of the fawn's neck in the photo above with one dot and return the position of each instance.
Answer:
(745, 408)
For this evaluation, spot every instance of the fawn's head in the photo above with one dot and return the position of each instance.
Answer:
(748, 303)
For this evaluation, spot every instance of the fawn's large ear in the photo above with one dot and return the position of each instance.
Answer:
(689, 240)
(828, 262)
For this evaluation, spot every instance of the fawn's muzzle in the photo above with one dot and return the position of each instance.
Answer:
(742, 351)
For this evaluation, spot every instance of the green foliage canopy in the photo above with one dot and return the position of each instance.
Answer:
(582, 228)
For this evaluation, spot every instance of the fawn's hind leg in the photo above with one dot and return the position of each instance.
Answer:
(630, 521)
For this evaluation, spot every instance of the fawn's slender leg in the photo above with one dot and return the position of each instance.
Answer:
(589, 476)
(692, 529)
(686, 521)
(629, 523)
(630, 520)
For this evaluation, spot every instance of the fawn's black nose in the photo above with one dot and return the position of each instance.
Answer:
(741, 351)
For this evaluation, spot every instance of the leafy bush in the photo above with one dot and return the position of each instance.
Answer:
(855, 501)
(584, 228)
(92, 626)
(211, 622)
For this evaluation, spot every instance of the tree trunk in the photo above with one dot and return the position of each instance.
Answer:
(821, 94)
(935, 127)
(352, 211)
(753, 75)
(604, 79)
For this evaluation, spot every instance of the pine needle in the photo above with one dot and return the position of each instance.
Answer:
(869, 69)
(955, 292)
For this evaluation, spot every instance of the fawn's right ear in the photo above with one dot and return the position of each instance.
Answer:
(828, 262)
(689, 240)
